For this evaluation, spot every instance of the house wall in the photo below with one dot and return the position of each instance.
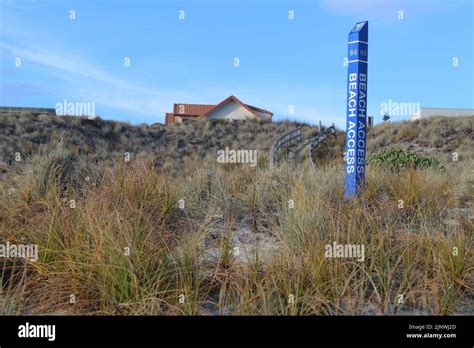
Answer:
(37, 111)
(231, 110)
(169, 118)
(263, 116)
(181, 119)
(430, 112)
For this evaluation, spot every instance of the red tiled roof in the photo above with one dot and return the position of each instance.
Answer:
(191, 109)
(261, 110)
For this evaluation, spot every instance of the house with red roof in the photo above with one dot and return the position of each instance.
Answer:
(230, 108)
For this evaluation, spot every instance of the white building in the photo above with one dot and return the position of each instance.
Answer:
(448, 112)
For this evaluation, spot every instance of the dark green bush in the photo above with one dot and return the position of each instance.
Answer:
(395, 159)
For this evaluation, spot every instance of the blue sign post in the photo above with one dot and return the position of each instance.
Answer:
(356, 117)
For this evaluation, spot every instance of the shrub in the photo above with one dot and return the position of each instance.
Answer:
(54, 166)
(395, 159)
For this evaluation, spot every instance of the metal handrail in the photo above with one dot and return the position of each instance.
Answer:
(296, 133)
(318, 140)
(284, 139)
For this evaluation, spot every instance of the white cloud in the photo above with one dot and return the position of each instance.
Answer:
(90, 82)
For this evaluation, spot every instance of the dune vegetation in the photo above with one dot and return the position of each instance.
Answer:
(148, 237)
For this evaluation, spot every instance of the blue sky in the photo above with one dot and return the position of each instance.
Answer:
(283, 61)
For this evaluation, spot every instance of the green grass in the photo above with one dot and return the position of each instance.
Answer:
(396, 159)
